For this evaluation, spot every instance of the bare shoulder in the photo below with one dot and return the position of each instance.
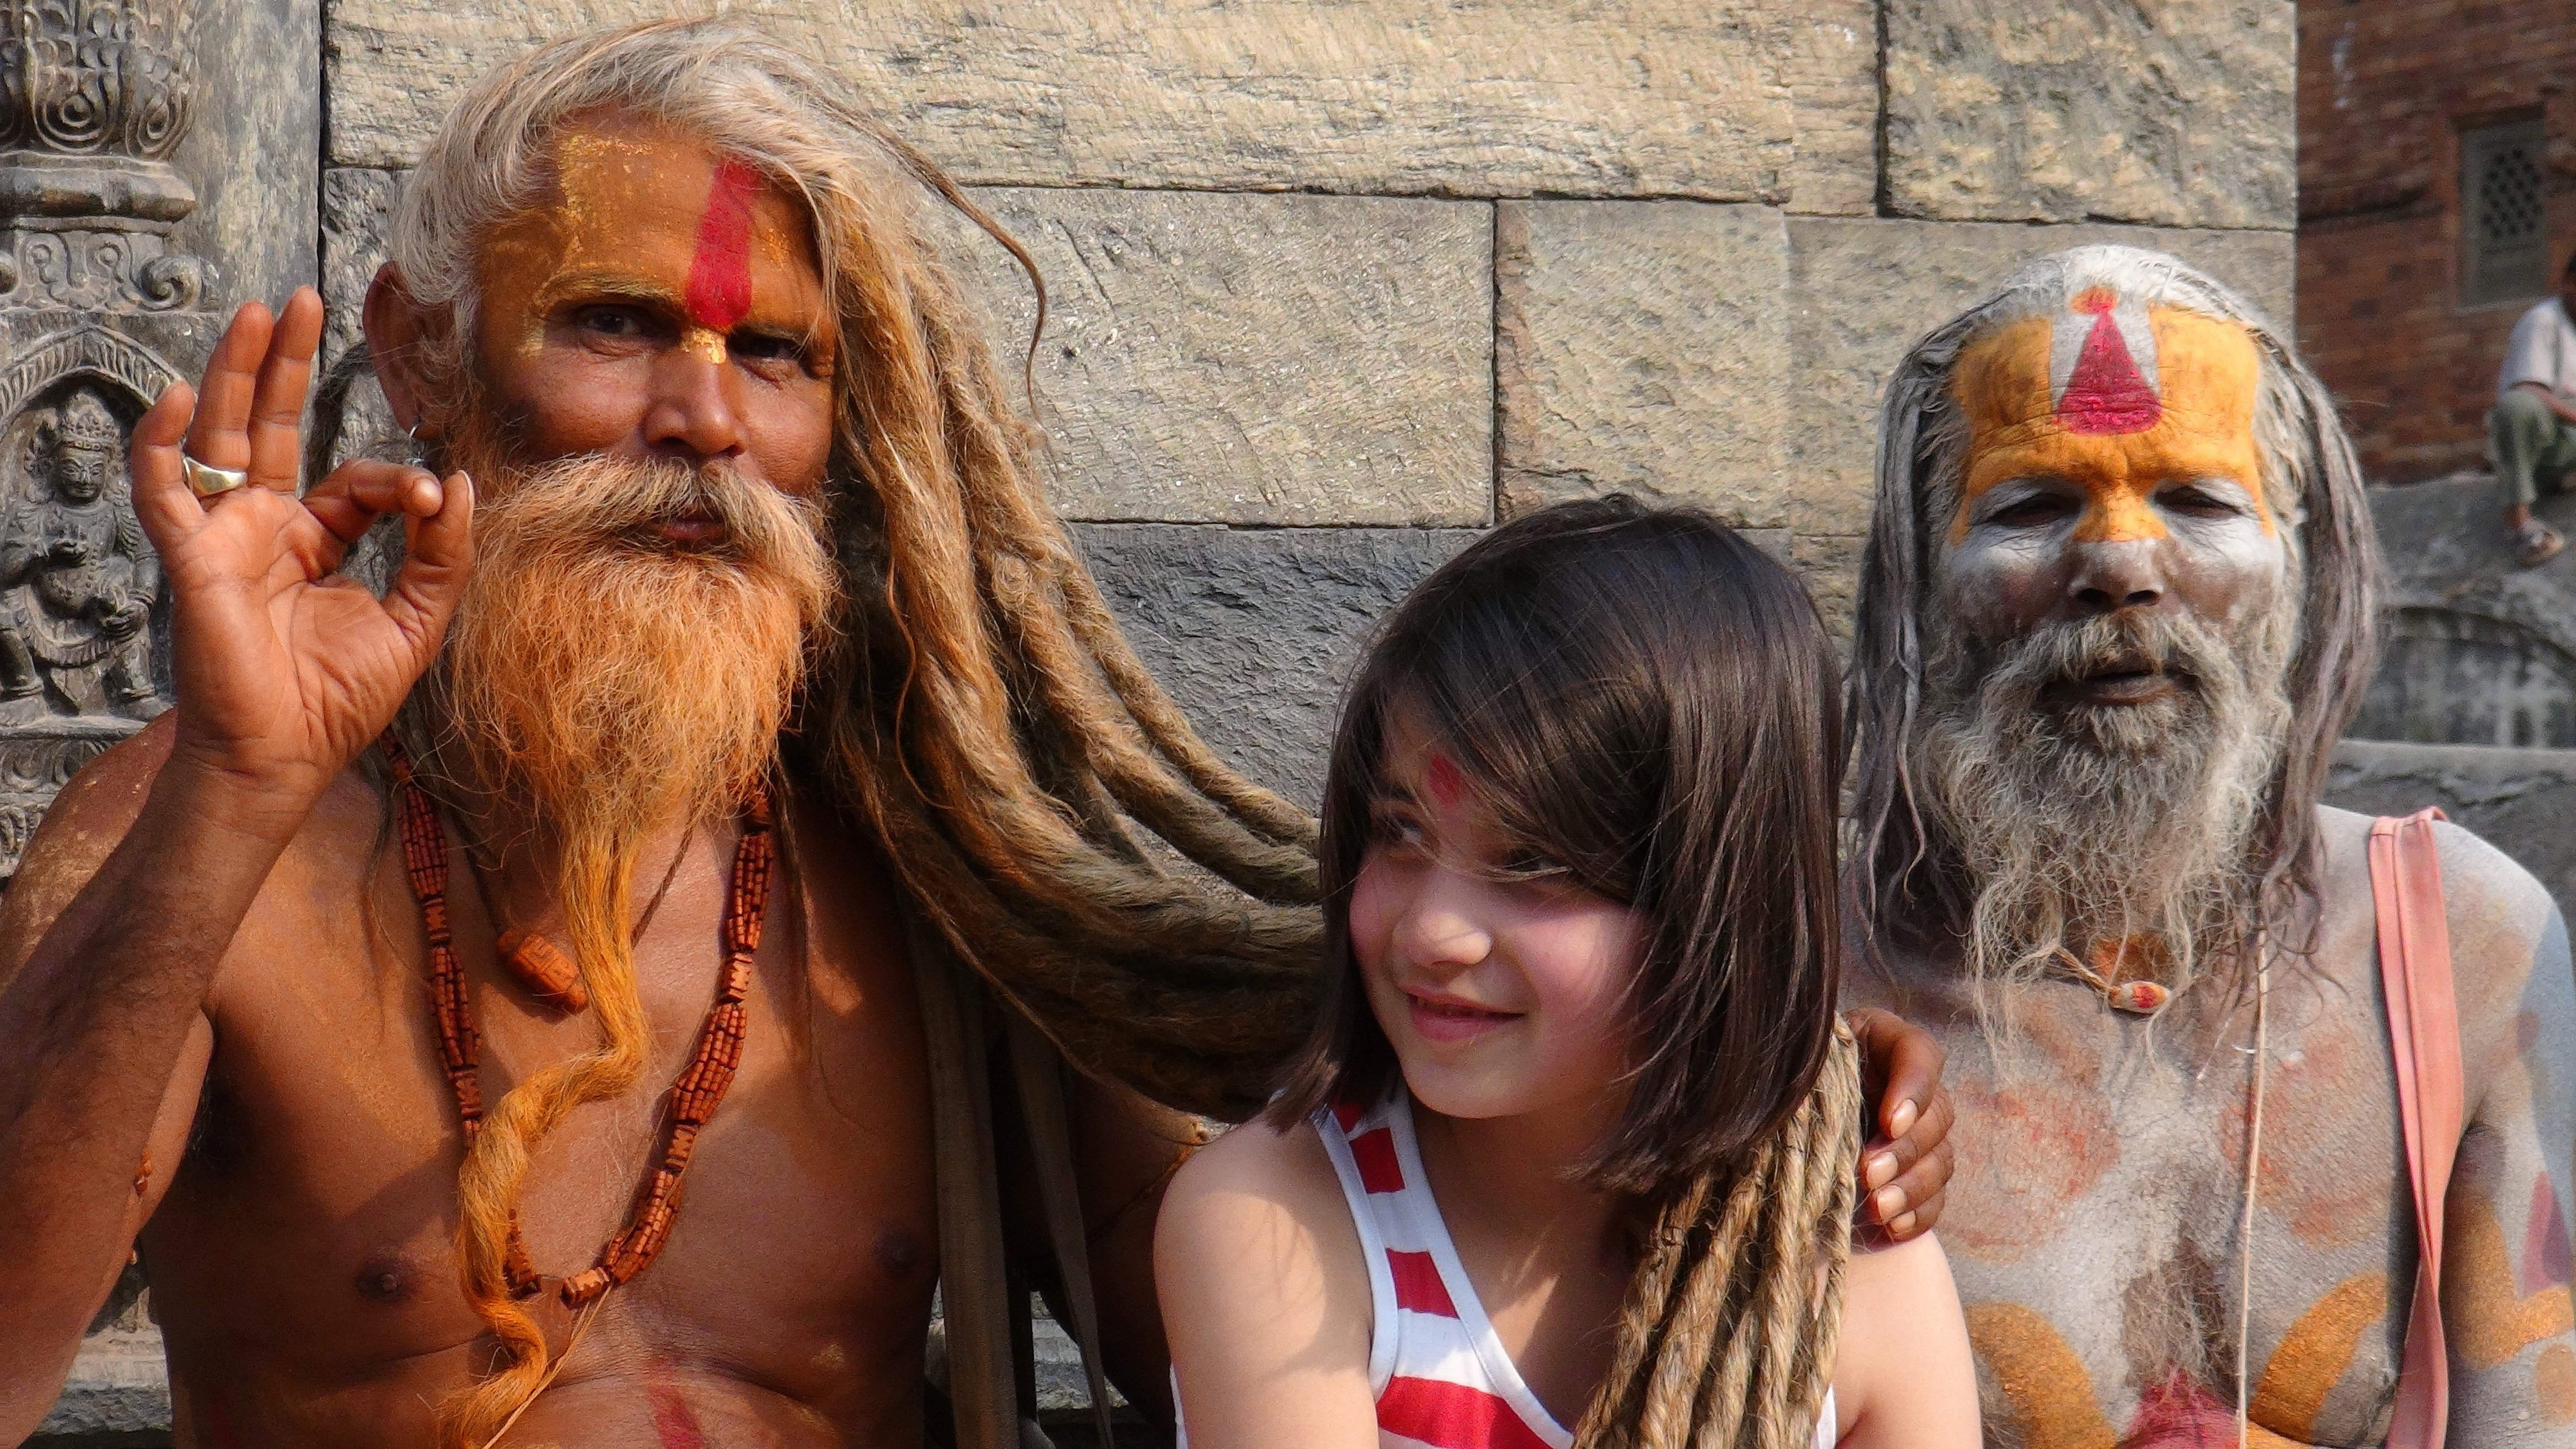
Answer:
(2509, 955)
(1254, 1174)
(1904, 1372)
(81, 828)
(99, 806)
(1265, 1296)
(2480, 884)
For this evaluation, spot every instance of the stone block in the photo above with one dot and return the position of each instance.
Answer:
(1475, 97)
(2518, 801)
(2178, 113)
(1830, 565)
(1254, 358)
(1641, 347)
(1864, 290)
(253, 150)
(2474, 649)
(1255, 631)
(118, 1392)
(357, 207)
(1832, 59)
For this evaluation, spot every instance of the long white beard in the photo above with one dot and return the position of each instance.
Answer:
(2087, 826)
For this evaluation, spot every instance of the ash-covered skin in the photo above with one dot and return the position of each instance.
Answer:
(2094, 1225)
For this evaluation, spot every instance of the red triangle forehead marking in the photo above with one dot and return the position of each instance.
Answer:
(2107, 395)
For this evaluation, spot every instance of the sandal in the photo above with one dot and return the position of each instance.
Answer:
(2537, 544)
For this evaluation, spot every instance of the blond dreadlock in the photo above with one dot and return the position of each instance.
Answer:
(1727, 1337)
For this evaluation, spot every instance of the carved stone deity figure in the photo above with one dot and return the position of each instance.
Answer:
(83, 579)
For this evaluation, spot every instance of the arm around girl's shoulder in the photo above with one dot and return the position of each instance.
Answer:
(1265, 1296)
(1903, 1373)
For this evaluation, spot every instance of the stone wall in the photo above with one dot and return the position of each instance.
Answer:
(1335, 284)
(1322, 266)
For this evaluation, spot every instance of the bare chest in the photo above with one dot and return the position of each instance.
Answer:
(313, 1227)
(2097, 1228)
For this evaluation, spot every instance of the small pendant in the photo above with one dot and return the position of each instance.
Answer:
(2145, 998)
(548, 973)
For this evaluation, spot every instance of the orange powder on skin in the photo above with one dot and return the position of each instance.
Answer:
(2208, 371)
(628, 223)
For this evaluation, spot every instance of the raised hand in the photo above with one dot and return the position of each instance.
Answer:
(285, 670)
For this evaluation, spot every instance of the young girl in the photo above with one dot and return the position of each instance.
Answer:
(1569, 1156)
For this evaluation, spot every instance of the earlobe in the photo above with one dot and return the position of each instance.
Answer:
(396, 327)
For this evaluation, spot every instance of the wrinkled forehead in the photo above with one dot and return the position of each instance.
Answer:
(639, 204)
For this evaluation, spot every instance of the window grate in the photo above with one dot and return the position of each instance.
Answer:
(2504, 222)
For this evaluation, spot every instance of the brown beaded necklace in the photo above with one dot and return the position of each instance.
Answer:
(693, 1098)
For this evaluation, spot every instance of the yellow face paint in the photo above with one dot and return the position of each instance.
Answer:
(646, 217)
(2117, 400)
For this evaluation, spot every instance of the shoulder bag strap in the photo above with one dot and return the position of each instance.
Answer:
(2424, 1031)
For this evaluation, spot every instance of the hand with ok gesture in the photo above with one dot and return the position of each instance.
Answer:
(285, 670)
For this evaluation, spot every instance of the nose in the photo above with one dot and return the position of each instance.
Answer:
(1441, 931)
(2109, 576)
(695, 412)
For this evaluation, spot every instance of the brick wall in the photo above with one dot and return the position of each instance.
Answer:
(2384, 88)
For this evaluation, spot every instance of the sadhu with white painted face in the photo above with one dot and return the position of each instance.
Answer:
(2227, 1059)
(525, 1008)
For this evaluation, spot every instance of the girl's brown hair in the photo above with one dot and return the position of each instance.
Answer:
(1649, 699)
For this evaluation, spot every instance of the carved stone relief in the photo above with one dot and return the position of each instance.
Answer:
(100, 308)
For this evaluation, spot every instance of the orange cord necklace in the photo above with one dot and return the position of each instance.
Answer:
(693, 1097)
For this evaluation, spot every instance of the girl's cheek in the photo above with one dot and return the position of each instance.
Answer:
(1373, 910)
(1587, 963)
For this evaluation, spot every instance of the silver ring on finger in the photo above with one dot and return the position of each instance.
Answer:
(208, 481)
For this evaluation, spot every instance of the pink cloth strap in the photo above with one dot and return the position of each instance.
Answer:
(2424, 1030)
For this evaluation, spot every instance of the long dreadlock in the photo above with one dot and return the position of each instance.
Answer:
(1046, 807)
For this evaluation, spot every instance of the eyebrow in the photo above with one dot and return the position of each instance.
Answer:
(606, 286)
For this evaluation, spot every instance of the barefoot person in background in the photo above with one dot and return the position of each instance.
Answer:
(2117, 606)
(2532, 429)
(593, 995)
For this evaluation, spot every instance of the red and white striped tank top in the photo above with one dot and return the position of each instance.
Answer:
(1440, 1375)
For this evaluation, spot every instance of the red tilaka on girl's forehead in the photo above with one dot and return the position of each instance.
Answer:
(1448, 783)
(719, 294)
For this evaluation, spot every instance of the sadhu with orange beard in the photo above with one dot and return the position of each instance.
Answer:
(593, 993)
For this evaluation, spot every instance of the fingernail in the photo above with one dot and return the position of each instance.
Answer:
(1900, 1121)
(1887, 1202)
(1879, 1171)
(1901, 1227)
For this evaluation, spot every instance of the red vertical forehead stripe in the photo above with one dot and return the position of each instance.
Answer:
(2106, 395)
(720, 274)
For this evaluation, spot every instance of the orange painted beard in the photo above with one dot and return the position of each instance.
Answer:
(609, 677)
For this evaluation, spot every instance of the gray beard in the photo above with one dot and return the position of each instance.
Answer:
(2084, 826)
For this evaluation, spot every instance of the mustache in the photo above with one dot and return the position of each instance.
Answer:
(591, 499)
(2187, 651)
